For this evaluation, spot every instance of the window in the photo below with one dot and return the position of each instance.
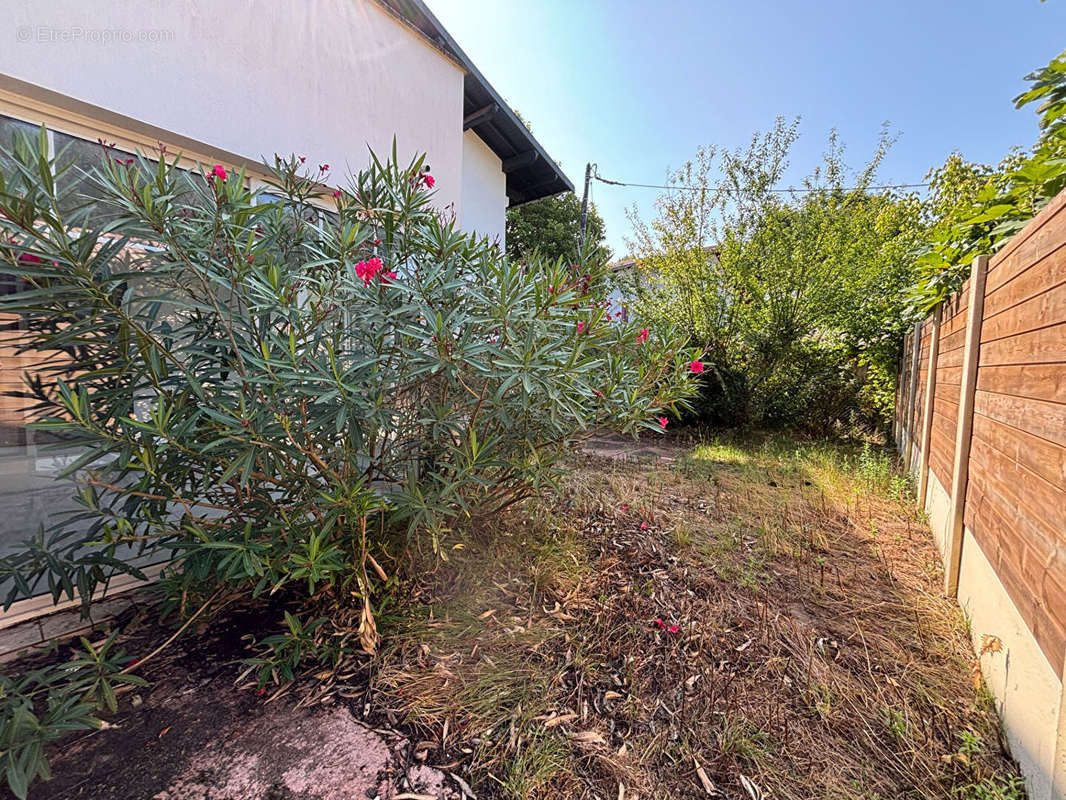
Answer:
(30, 461)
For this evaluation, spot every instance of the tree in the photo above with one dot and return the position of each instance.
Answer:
(796, 297)
(975, 209)
(551, 227)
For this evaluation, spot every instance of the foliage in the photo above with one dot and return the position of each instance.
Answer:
(263, 386)
(976, 208)
(43, 704)
(798, 297)
(550, 227)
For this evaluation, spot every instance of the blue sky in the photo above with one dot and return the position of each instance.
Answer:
(636, 85)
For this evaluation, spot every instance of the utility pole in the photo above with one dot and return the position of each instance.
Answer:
(584, 208)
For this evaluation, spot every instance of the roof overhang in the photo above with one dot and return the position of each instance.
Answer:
(530, 172)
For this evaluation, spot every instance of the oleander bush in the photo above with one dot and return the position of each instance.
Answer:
(269, 389)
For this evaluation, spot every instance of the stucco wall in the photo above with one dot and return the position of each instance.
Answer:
(324, 79)
(484, 209)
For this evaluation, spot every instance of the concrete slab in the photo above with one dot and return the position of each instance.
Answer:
(286, 752)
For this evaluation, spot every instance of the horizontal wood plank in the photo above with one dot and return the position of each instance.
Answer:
(1038, 417)
(1044, 346)
(1040, 311)
(1033, 381)
(1039, 278)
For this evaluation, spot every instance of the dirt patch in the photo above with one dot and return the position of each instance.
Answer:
(193, 735)
(645, 449)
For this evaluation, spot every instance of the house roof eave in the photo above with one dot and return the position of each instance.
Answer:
(530, 172)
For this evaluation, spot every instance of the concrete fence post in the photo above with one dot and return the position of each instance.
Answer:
(927, 407)
(898, 419)
(912, 390)
(960, 472)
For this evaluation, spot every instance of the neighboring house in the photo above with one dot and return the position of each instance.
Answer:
(625, 277)
(234, 84)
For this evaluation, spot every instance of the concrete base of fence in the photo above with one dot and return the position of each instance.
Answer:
(1025, 686)
(1026, 689)
(937, 505)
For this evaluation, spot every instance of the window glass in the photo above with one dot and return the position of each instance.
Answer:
(31, 492)
(77, 160)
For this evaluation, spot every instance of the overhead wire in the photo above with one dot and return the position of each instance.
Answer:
(881, 187)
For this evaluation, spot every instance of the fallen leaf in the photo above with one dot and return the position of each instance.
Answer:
(754, 792)
(990, 644)
(588, 737)
(464, 787)
(551, 722)
(706, 782)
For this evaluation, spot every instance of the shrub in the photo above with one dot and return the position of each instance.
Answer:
(263, 386)
(799, 297)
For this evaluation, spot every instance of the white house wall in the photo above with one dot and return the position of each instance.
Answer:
(320, 78)
(484, 209)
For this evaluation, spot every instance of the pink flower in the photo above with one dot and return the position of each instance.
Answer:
(642, 337)
(337, 194)
(218, 172)
(625, 508)
(580, 327)
(660, 624)
(662, 422)
(303, 159)
(368, 269)
(696, 367)
(387, 277)
(644, 526)
(551, 290)
(673, 629)
(429, 180)
(323, 167)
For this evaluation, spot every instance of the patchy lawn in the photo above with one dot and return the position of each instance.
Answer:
(760, 615)
(753, 618)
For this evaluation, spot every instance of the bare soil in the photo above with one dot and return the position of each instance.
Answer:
(193, 735)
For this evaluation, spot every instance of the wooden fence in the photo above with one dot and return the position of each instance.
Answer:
(981, 421)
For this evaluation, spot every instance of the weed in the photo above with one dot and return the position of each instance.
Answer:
(682, 535)
(742, 738)
(1010, 787)
(896, 723)
(542, 758)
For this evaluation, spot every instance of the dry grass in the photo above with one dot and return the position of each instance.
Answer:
(813, 657)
